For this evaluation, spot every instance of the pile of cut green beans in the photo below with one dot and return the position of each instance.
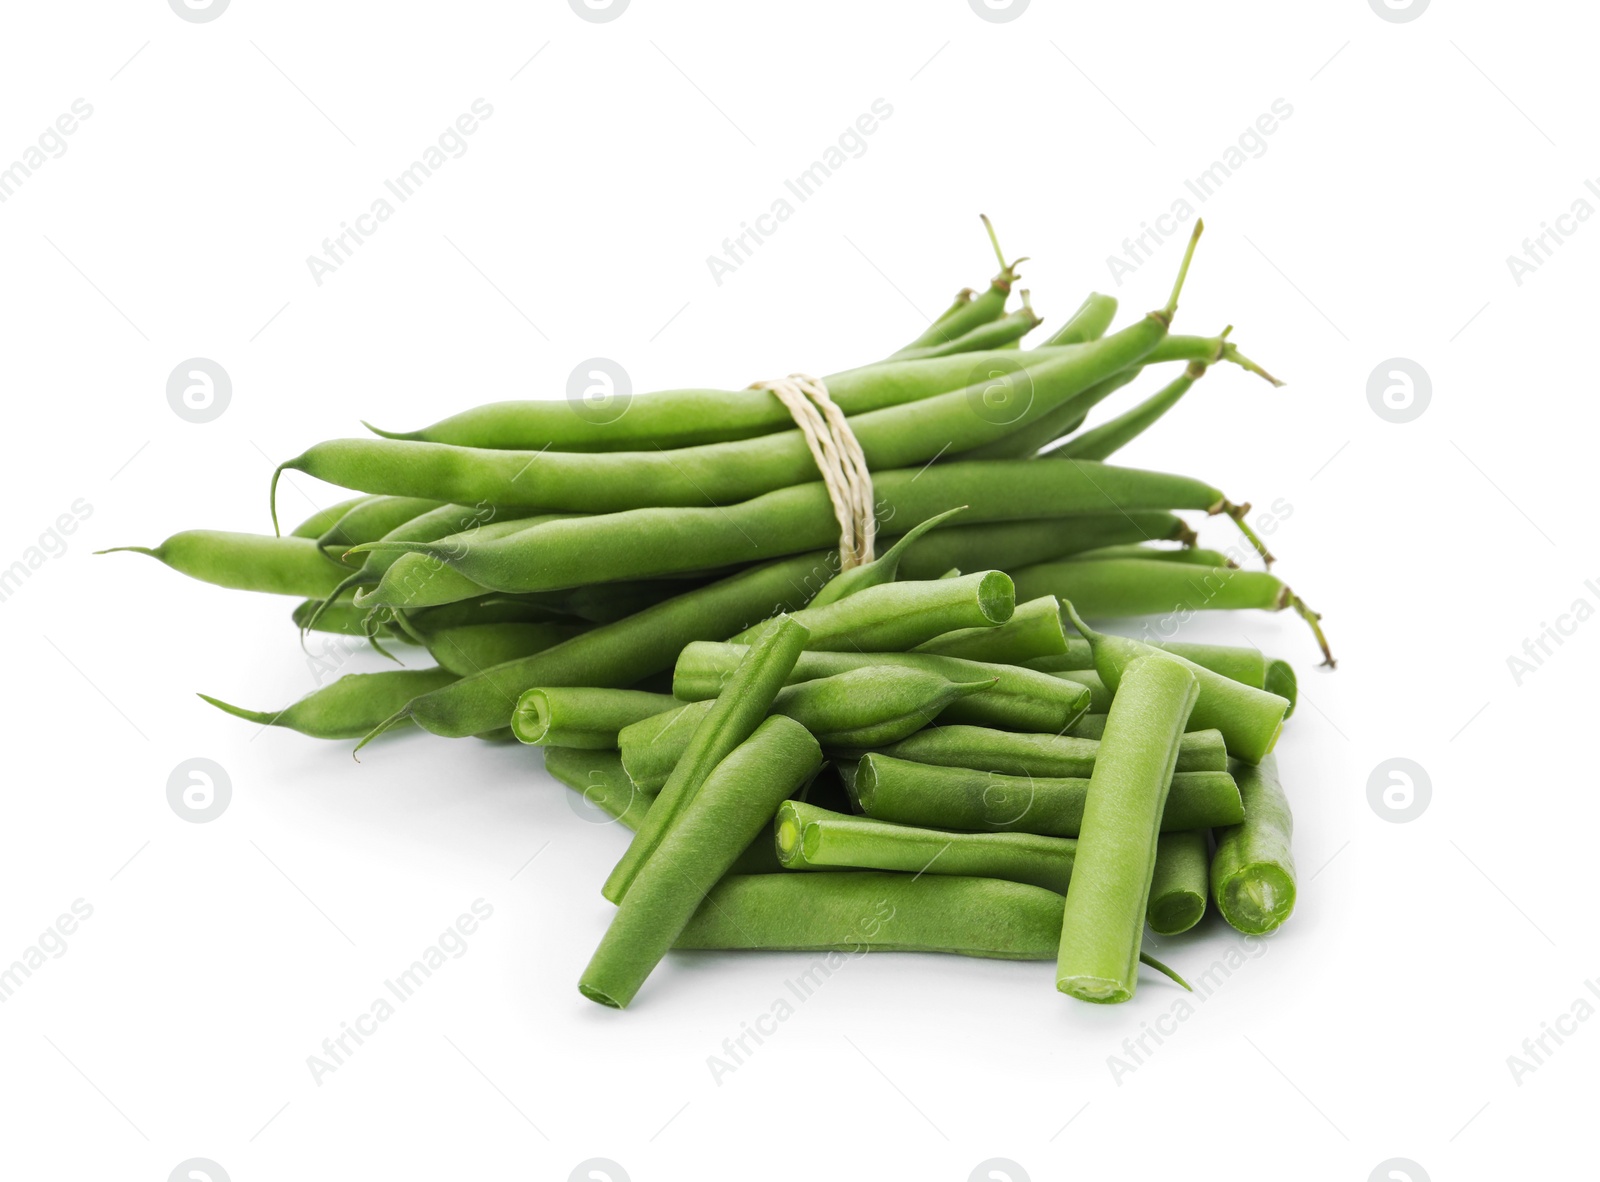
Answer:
(933, 751)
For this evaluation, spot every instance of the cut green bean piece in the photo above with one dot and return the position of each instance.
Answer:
(1047, 756)
(751, 687)
(898, 616)
(861, 708)
(733, 804)
(1021, 699)
(1250, 719)
(868, 911)
(1034, 630)
(347, 708)
(1252, 871)
(893, 789)
(1103, 922)
(582, 716)
(811, 838)
(1178, 886)
(247, 562)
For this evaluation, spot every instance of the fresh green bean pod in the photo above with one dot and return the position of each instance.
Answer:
(739, 709)
(1021, 699)
(1252, 871)
(967, 798)
(964, 315)
(898, 616)
(642, 543)
(598, 777)
(349, 707)
(472, 648)
(1103, 922)
(1250, 719)
(1088, 323)
(1104, 441)
(615, 655)
(811, 838)
(1066, 417)
(1007, 545)
(861, 708)
(247, 562)
(1000, 333)
(582, 716)
(1034, 630)
(733, 804)
(1041, 756)
(1178, 885)
(313, 526)
(867, 911)
(374, 518)
(1247, 666)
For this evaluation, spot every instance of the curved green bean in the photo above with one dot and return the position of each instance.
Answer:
(885, 568)
(247, 562)
(347, 708)
(1178, 884)
(1252, 872)
(810, 838)
(893, 789)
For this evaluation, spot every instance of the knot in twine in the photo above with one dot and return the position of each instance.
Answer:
(839, 458)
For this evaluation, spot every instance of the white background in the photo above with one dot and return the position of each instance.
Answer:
(1376, 224)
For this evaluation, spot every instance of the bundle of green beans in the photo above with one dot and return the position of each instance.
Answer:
(656, 601)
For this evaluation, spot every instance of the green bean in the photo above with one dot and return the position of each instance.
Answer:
(1140, 587)
(598, 777)
(1178, 884)
(582, 716)
(1007, 545)
(613, 655)
(1089, 322)
(472, 648)
(347, 708)
(885, 568)
(1104, 441)
(1193, 555)
(870, 911)
(733, 804)
(1046, 756)
(373, 518)
(861, 708)
(247, 562)
(1021, 699)
(1103, 922)
(648, 542)
(1252, 872)
(898, 616)
(1245, 665)
(965, 315)
(810, 838)
(893, 789)
(739, 709)
(1250, 719)
(1281, 680)
(1100, 693)
(1034, 630)
(1063, 418)
(313, 526)
(1000, 333)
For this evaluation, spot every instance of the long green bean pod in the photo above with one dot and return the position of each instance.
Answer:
(1008, 545)
(1252, 871)
(349, 707)
(582, 716)
(1250, 719)
(247, 562)
(811, 838)
(729, 808)
(1104, 441)
(739, 709)
(1178, 884)
(1103, 922)
(910, 793)
(1047, 756)
(1021, 699)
